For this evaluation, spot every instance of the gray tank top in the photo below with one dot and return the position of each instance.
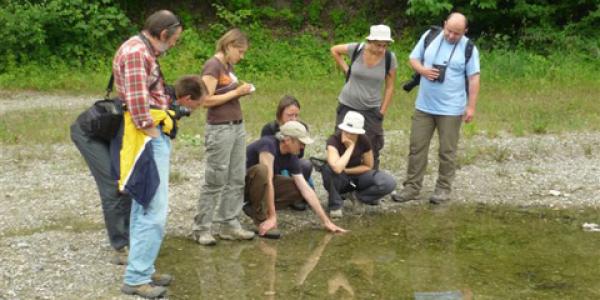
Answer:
(363, 90)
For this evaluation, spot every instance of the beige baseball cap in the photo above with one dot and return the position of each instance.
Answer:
(295, 129)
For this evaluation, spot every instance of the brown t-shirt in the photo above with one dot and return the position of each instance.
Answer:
(362, 146)
(226, 81)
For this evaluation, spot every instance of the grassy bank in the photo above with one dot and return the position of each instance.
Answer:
(521, 92)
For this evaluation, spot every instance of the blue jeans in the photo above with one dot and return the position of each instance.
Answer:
(147, 227)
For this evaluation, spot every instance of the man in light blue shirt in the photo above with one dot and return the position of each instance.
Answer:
(445, 99)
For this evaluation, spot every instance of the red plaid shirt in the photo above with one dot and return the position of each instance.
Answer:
(135, 70)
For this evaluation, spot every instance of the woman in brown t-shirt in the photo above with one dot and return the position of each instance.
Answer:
(225, 144)
(349, 167)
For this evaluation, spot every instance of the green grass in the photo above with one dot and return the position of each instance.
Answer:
(520, 94)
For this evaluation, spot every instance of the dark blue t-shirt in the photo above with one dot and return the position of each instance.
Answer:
(280, 162)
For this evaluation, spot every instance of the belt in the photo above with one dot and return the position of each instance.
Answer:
(235, 122)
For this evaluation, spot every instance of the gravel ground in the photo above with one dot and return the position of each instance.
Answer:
(52, 242)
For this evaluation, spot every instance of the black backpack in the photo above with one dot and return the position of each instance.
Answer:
(356, 52)
(434, 31)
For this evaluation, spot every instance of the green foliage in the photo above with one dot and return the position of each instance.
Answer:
(75, 31)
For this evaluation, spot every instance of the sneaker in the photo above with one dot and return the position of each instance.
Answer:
(439, 196)
(404, 196)
(161, 279)
(120, 256)
(204, 238)
(336, 213)
(231, 233)
(144, 290)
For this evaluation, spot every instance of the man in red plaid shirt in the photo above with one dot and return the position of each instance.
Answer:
(139, 82)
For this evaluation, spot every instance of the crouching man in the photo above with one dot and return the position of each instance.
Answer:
(264, 191)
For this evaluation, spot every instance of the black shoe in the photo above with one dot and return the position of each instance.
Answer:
(299, 206)
(273, 234)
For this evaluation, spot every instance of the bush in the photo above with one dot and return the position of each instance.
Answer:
(75, 31)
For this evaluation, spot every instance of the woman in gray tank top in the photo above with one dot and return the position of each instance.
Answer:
(372, 67)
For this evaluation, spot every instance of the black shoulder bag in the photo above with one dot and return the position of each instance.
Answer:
(103, 119)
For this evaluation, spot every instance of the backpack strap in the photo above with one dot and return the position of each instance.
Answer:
(355, 53)
(388, 62)
(434, 31)
(468, 53)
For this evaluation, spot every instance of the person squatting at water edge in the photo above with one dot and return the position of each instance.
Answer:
(266, 190)
(144, 145)
(449, 86)
(222, 191)
(371, 67)
(288, 109)
(349, 167)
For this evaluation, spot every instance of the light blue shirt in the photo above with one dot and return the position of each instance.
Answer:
(448, 98)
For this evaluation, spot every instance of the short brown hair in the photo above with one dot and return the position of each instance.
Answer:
(162, 20)
(285, 102)
(190, 85)
(233, 37)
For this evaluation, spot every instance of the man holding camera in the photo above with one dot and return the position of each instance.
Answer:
(449, 82)
(140, 84)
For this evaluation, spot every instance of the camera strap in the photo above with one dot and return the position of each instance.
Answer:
(438, 51)
(111, 81)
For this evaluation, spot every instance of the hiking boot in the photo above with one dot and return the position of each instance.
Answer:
(231, 233)
(204, 238)
(336, 213)
(161, 279)
(120, 257)
(144, 290)
(404, 196)
(439, 196)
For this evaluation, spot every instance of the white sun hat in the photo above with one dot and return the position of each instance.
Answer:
(353, 123)
(380, 33)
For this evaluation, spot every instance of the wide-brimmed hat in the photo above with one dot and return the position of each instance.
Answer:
(380, 33)
(353, 123)
(295, 129)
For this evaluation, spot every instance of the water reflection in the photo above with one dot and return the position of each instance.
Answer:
(461, 252)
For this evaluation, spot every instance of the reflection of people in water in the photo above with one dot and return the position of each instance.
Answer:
(271, 253)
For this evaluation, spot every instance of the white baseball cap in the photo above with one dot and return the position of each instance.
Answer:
(353, 123)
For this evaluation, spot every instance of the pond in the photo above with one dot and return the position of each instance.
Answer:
(422, 252)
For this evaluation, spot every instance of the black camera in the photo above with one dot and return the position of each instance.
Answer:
(180, 111)
(414, 81)
(442, 72)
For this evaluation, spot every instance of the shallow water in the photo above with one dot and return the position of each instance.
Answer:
(451, 252)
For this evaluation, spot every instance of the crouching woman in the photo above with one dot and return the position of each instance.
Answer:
(349, 167)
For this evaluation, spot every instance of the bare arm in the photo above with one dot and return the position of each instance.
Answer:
(473, 93)
(336, 162)
(390, 79)
(311, 198)
(266, 158)
(367, 164)
(337, 51)
(212, 100)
